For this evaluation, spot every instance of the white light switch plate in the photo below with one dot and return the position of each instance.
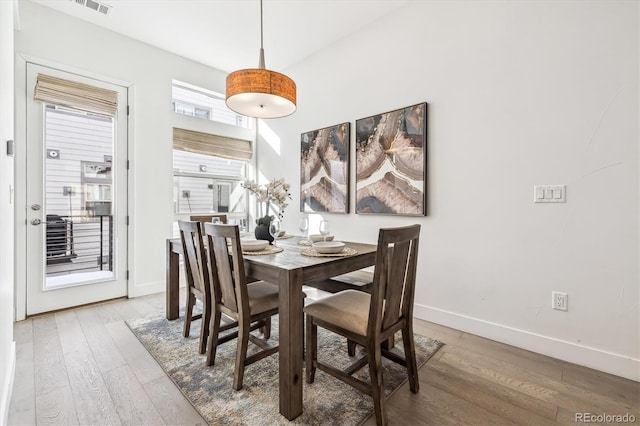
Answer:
(550, 194)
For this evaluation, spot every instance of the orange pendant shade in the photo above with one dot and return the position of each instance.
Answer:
(261, 93)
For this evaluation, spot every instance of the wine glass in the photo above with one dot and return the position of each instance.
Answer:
(303, 226)
(324, 229)
(274, 230)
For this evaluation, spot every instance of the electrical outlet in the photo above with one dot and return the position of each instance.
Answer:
(559, 301)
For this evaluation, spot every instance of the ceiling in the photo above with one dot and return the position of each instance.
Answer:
(225, 34)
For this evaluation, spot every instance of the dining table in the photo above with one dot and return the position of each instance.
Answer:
(289, 269)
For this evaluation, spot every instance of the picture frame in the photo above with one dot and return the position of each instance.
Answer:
(391, 159)
(324, 169)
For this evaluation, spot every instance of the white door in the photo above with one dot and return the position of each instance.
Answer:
(76, 200)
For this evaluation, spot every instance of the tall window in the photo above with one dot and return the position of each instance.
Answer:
(188, 99)
(208, 171)
(206, 184)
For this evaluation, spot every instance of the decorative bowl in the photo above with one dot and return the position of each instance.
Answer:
(317, 237)
(328, 247)
(253, 245)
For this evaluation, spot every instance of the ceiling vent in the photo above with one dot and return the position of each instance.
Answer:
(105, 9)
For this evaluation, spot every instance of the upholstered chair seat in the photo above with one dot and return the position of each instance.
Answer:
(348, 309)
(263, 297)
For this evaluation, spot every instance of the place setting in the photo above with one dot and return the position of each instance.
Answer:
(262, 247)
(323, 244)
(324, 228)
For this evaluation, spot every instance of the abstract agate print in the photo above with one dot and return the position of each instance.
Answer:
(391, 162)
(324, 169)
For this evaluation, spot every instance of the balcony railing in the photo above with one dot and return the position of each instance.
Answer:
(79, 244)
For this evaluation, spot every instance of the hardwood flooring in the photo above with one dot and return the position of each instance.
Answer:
(83, 366)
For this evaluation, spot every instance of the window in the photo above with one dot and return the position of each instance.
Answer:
(208, 171)
(202, 103)
(217, 190)
(193, 110)
(78, 179)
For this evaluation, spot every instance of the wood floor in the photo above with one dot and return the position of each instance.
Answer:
(83, 366)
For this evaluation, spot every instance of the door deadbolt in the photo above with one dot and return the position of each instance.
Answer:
(35, 207)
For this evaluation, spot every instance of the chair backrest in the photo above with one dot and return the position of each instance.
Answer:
(208, 218)
(226, 266)
(394, 277)
(195, 260)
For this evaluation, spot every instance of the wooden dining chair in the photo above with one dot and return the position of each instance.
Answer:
(198, 286)
(208, 218)
(250, 305)
(371, 319)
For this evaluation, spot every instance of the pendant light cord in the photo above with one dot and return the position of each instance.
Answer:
(261, 59)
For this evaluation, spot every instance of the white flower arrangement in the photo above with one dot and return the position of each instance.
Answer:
(274, 194)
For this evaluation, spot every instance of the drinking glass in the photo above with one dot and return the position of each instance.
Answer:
(274, 230)
(303, 226)
(324, 229)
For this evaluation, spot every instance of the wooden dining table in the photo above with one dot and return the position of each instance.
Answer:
(288, 269)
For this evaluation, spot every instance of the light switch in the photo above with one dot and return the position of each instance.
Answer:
(549, 194)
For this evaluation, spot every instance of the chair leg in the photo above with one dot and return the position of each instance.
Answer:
(351, 347)
(410, 357)
(204, 327)
(266, 330)
(212, 341)
(377, 388)
(311, 349)
(241, 354)
(188, 313)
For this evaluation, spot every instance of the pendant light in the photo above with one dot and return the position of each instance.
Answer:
(259, 92)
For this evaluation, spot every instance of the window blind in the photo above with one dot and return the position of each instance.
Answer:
(76, 95)
(208, 144)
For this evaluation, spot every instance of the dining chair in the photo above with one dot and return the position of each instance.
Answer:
(208, 218)
(250, 305)
(371, 319)
(198, 286)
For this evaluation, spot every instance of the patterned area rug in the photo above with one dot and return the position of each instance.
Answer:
(327, 401)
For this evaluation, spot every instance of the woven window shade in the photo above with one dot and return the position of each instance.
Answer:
(75, 95)
(208, 144)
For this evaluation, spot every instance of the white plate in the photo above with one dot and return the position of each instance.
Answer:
(253, 245)
(328, 247)
(318, 237)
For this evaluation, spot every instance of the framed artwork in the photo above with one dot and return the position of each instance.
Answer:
(324, 169)
(391, 162)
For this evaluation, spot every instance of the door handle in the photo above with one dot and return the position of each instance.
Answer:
(36, 221)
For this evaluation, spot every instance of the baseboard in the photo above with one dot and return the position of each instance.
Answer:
(7, 390)
(597, 359)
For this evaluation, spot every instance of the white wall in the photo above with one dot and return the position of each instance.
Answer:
(520, 94)
(79, 46)
(7, 346)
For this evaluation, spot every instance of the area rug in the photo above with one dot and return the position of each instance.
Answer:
(327, 401)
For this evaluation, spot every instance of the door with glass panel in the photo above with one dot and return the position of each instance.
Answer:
(76, 190)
